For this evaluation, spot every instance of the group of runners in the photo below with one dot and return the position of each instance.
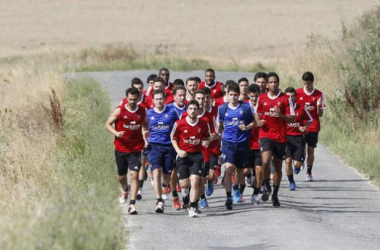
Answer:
(187, 134)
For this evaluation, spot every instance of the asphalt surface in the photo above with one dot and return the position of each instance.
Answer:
(340, 209)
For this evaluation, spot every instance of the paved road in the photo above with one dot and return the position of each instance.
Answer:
(339, 210)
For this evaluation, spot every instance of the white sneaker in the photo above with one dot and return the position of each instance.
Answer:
(192, 212)
(309, 177)
(124, 197)
(255, 199)
(159, 208)
(248, 182)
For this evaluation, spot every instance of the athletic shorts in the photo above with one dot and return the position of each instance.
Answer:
(192, 164)
(125, 161)
(161, 156)
(312, 139)
(235, 153)
(213, 161)
(277, 148)
(254, 159)
(295, 148)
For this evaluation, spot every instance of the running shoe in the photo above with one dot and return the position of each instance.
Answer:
(192, 212)
(165, 192)
(176, 204)
(275, 201)
(169, 188)
(199, 209)
(309, 177)
(209, 189)
(204, 203)
(229, 203)
(266, 194)
(139, 194)
(218, 170)
(248, 181)
(236, 193)
(242, 198)
(255, 199)
(297, 170)
(132, 210)
(262, 188)
(159, 208)
(292, 186)
(124, 195)
(179, 189)
(216, 180)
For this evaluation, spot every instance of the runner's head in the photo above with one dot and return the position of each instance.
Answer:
(150, 79)
(179, 94)
(192, 109)
(308, 79)
(200, 97)
(207, 92)
(132, 95)
(191, 85)
(243, 85)
(253, 93)
(164, 74)
(178, 82)
(138, 84)
(233, 93)
(159, 83)
(228, 83)
(261, 80)
(158, 97)
(209, 76)
(273, 81)
(291, 92)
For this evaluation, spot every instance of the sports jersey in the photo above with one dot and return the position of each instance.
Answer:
(177, 109)
(216, 89)
(219, 101)
(149, 100)
(302, 116)
(233, 117)
(141, 102)
(309, 100)
(190, 136)
(253, 140)
(131, 122)
(274, 127)
(161, 124)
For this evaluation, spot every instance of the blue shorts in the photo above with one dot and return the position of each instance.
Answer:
(161, 156)
(235, 153)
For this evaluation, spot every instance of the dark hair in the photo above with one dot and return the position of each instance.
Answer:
(197, 79)
(200, 91)
(193, 102)
(308, 76)
(159, 79)
(178, 82)
(234, 87)
(253, 88)
(178, 87)
(210, 70)
(260, 75)
(151, 77)
(157, 92)
(290, 90)
(243, 79)
(228, 83)
(273, 74)
(163, 69)
(207, 91)
(190, 79)
(137, 81)
(132, 91)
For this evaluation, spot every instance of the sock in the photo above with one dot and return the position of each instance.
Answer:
(309, 167)
(174, 193)
(249, 175)
(203, 196)
(185, 199)
(242, 187)
(267, 184)
(209, 182)
(132, 202)
(141, 183)
(275, 190)
(256, 190)
(235, 186)
(164, 185)
(290, 178)
(159, 200)
(229, 194)
(193, 204)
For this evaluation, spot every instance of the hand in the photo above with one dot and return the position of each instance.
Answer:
(181, 153)
(146, 143)
(302, 129)
(260, 123)
(205, 143)
(120, 134)
(319, 101)
(214, 137)
(277, 110)
(242, 126)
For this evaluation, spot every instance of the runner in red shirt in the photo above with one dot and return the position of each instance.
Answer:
(313, 100)
(165, 74)
(159, 83)
(217, 88)
(150, 81)
(189, 136)
(139, 85)
(222, 100)
(273, 111)
(129, 143)
(191, 87)
(243, 85)
(295, 150)
(260, 79)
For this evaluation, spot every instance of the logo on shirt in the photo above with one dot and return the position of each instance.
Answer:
(152, 118)
(186, 131)
(125, 117)
(161, 126)
(265, 104)
(132, 126)
(294, 124)
(192, 140)
(235, 122)
(272, 113)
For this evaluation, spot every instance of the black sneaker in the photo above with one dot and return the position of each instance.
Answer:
(275, 201)
(139, 195)
(229, 203)
(266, 193)
(132, 210)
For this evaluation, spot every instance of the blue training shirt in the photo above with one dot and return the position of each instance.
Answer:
(179, 110)
(232, 119)
(161, 124)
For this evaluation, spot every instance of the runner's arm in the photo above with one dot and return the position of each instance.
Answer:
(111, 121)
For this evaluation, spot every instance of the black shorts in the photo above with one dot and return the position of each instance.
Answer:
(125, 161)
(295, 148)
(192, 164)
(312, 139)
(254, 159)
(277, 148)
(213, 161)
